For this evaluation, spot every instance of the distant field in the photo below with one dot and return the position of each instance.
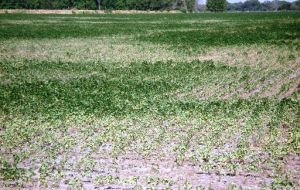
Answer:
(158, 101)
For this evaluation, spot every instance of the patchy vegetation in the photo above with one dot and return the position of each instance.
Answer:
(150, 101)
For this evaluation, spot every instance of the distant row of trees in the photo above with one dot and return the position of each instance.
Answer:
(185, 5)
(255, 5)
(98, 4)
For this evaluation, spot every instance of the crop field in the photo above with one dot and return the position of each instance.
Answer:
(150, 101)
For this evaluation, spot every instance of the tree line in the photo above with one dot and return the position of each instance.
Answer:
(184, 5)
(98, 4)
(255, 5)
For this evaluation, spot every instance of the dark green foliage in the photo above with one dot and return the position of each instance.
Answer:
(254, 5)
(101, 95)
(272, 33)
(47, 4)
(251, 5)
(245, 30)
(216, 5)
(87, 4)
(285, 6)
